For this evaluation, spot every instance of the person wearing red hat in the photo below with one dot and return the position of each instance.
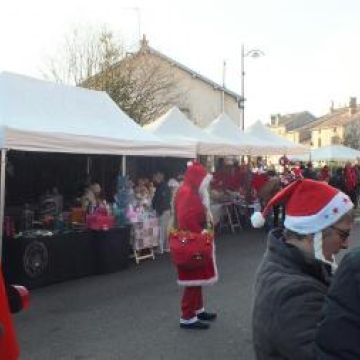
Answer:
(192, 212)
(293, 278)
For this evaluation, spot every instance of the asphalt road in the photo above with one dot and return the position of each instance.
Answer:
(134, 314)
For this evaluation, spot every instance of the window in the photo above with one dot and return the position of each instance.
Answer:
(319, 142)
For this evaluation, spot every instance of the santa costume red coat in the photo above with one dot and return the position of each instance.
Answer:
(191, 215)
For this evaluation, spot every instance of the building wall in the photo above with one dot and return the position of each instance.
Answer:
(293, 136)
(327, 136)
(196, 98)
(201, 102)
(278, 130)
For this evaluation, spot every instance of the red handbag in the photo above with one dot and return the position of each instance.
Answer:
(190, 250)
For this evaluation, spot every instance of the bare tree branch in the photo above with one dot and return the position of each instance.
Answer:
(140, 84)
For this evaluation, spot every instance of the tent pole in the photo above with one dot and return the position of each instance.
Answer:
(123, 166)
(88, 164)
(2, 197)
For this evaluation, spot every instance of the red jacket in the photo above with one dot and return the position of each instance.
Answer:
(191, 216)
(350, 178)
(258, 181)
(190, 212)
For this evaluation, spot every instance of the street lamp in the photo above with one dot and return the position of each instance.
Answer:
(254, 53)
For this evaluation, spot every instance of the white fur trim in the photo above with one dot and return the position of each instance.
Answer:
(318, 251)
(189, 163)
(257, 220)
(205, 182)
(188, 321)
(197, 312)
(204, 192)
(326, 217)
(210, 281)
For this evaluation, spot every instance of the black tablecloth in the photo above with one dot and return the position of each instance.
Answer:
(111, 251)
(44, 260)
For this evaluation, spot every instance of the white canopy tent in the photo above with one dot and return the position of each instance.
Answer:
(281, 146)
(228, 131)
(38, 115)
(338, 153)
(174, 126)
(41, 116)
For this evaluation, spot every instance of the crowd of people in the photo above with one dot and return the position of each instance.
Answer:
(305, 307)
(302, 299)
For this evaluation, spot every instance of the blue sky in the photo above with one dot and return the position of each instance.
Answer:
(311, 53)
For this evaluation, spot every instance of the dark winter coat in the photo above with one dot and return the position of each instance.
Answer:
(309, 173)
(339, 333)
(337, 181)
(162, 198)
(289, 294)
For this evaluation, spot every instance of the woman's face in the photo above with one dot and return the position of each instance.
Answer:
(336, 237)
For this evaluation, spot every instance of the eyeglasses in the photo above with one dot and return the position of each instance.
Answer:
(344, 234)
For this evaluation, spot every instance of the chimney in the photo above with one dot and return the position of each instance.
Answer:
(144, 44)
(332, 106)
(352, 106)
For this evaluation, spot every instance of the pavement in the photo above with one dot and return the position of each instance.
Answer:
(134, 314)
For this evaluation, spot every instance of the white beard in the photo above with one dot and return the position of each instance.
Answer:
(205, 196)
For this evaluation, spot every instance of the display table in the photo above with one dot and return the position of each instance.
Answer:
(145, 237)
(112, 249)
(42, 260)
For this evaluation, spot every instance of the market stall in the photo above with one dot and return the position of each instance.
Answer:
(337, 153)
(281, 145)
(175, 127)
(229, 132)
(43, 117)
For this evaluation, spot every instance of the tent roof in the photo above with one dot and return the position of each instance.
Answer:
(282, 145)
(37, 115)
(330, 153)
(225, 128)
(175, 126)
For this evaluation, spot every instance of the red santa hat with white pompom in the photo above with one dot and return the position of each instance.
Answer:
(310, 206)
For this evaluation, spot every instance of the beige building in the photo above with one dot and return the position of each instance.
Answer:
(326, 130)
(201, 99)
(288, 126)
(161, 83)
(331, 128)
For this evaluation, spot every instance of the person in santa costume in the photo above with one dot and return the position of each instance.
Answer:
(293, 278)
(192, 212)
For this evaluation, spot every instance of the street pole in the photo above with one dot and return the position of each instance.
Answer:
(254, 53)
(123, 166)
(242, 100)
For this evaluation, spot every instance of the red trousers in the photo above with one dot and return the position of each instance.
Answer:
(192, 302)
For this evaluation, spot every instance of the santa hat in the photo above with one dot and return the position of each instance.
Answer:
(196, 175)
(311, 206)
